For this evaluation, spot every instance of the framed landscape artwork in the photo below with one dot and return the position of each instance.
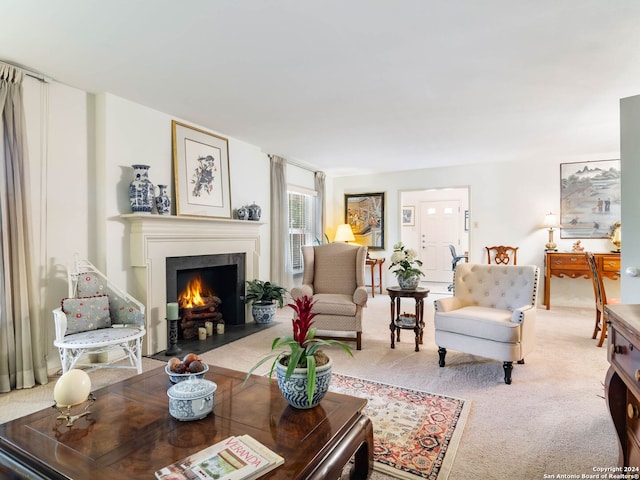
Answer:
(589, 198)
(365, 213)
(201, 167)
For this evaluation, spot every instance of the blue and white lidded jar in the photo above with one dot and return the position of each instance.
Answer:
(254, 212)
(141, 191)
(163, 202)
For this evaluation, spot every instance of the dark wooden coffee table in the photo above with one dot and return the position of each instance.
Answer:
(130, 434)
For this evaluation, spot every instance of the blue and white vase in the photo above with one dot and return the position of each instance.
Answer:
(163, 202)
(141, 191)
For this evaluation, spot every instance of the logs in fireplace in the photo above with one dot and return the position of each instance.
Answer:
(196, 316)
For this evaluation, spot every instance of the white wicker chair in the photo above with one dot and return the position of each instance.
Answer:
(122, 327)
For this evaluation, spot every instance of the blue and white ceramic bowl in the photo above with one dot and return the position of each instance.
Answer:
(180, 377)
(192, 399)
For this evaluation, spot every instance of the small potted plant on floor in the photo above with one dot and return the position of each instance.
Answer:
(265, 298)
(304, 372)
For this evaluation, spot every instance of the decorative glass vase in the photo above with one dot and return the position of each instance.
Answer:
(408, 283)
(141, 191)
(163, 202)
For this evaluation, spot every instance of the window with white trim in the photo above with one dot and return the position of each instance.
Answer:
(301, 224)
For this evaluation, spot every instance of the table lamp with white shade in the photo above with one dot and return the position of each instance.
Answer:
(344, 234)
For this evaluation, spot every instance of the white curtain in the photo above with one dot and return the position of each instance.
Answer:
(319, 181)
(281, 268)
(22, 334)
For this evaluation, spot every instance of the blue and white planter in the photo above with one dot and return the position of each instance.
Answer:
(294, 389)
(263, 313)
(409, 283)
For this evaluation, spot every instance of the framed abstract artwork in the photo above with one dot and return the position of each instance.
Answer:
(365, 213)
(589, 198)
(201, 168)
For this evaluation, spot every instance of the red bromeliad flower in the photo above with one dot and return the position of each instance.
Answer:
(303, 320)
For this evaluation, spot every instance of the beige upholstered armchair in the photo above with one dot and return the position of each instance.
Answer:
(334, 277)
(491, 314)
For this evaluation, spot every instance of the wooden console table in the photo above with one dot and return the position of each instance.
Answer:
(372, 262)
(623, 380)
(129, 433)
(574, 265)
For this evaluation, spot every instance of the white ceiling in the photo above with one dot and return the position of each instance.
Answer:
(354, 86)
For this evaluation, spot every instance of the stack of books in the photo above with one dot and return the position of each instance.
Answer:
(235, 458)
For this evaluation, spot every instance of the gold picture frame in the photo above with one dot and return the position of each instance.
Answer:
(201, 169)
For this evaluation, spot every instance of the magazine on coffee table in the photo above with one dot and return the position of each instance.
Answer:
(234, 458)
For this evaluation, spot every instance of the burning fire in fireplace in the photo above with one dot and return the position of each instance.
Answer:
(193, 294)
(198, 304)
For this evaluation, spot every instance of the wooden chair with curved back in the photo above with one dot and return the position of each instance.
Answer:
(502, 255)
(601, 299)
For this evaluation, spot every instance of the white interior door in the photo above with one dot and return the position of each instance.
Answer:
(439, 227)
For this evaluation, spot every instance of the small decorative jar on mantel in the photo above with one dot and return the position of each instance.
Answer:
(141, 191)
(163, 202)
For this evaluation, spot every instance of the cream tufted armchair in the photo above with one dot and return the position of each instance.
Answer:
(334, 277)
(492, 313)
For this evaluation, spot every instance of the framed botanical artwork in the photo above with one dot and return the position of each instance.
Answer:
(365, 213)
(589, 198)
(201, 167)
(408, 213)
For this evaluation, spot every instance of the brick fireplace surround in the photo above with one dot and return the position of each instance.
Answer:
(153, 238)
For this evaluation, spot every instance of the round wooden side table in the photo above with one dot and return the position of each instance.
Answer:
(397, 322)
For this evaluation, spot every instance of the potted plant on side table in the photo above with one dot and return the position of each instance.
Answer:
(405, 263)
(304, 372)
(265, 298)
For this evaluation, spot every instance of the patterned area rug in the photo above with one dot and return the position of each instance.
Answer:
(415, 433)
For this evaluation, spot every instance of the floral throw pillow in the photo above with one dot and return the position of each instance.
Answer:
(86, 313)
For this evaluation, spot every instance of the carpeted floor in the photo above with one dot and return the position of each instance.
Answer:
(551, 420)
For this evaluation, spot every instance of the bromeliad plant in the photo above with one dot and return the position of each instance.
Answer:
(406, 261)
(303, 346)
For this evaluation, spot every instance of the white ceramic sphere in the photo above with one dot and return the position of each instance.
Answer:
(72, 388)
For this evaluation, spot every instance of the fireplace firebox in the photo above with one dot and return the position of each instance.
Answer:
(208, 288)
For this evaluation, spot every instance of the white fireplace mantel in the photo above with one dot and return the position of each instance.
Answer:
(153, 238)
